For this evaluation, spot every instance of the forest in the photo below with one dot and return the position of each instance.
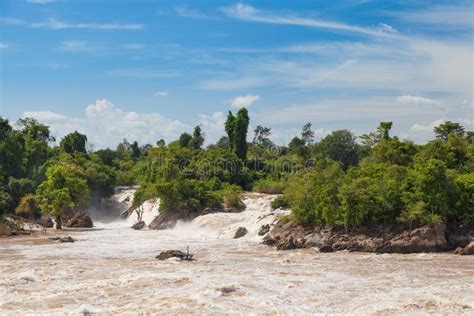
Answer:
(342, 179)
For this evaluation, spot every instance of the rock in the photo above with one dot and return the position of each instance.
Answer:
(227, 289)
(424, 239)
(63, 239)
(80, 219)
(466, 251)
(139, 225)
(168, 219)
(46, 221)
(174, 254)
(240, 232)
(325, 248)
(264, 230)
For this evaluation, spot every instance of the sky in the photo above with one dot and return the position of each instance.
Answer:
(146, 70)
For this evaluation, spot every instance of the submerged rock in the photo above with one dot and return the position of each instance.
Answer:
(174, 254)
(465, 251)
(80, 220)
(264, 230)
(240, 232)
(227, 289)
(46, 221)
(63, 239)
(139, 225)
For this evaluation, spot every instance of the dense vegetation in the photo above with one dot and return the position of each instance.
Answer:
(341, 180)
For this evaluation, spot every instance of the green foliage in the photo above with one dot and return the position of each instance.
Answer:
(197, 139)
(393, 151)
(74, 143)
(340, 146)
(280, 201)
(28, 207)
(236, 128)
(65, 188)
(448, 128)
(269, 186)
(184, 140)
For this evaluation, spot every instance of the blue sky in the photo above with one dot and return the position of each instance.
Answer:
(146, 70)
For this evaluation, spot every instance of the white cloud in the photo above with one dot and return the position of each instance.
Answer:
(139, 73)
(3, 45)
(442, 16)
(226, 84)
(417, 127)
(133, 46)
(246, 12)
(186, 12)
(213, 126)
(244, 101)
(413, 99)
(161, 94)
(75, 46)
(44, 115)
(54, 24)
(106, 125)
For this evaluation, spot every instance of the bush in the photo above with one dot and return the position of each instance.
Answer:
(231, 196)
(280, 202)
(269, 186)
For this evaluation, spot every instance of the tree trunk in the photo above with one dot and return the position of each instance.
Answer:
(58, 222)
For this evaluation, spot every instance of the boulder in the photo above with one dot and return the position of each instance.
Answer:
(264, 230)
(424, 239)
(139, 225)
(80, 219)
(466, 251)
(174, 254)
(240, 232)
(227, 289)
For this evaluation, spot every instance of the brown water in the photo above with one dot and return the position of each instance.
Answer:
(111, 269)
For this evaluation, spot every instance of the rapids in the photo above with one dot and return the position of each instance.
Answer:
(111, 269)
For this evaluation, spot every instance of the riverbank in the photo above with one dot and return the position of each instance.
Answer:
(440, 237)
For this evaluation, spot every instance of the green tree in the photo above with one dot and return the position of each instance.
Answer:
(448, 128)
(74, 143)
(65, 188)
(307, 135)
(236, 128)
(184, 140)
(262, 136)
(340, 146)
(28, 207)
(197, 139)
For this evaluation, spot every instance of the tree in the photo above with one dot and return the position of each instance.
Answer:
(161, 143)
(381, 132)
(28, 207)
(262, 136)
(74, 143)
(297, 146)
(135, 151)
(236, 128)
(307, 135)
(184, 140)
(340, 146)
(448, 128)
(384, 129)
(197, 139)
(64, 189)
(230, 130)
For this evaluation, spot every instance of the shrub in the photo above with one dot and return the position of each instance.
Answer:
(280, 202)
(269, 186)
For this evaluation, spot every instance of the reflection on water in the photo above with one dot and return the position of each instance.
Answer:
(113, 269)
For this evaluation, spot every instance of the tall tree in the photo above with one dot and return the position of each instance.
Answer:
(447, 128)
(262, 136)
(135, 151)
(230, 130)
(241, 128)
(340, 146)
(307, 135)
(384, 129)
(197, 139)
(74, 143)
(184, 140)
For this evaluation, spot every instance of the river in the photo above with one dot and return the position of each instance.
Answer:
(112, 269)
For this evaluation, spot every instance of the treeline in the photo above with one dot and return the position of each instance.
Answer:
(340, 180)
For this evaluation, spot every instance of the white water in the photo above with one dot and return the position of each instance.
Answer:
(111, 269)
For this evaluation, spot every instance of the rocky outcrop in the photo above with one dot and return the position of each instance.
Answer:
(166, 220)
(174, 254)
(465, 251)
(264, 229)
(381, 239)
(139, 225)
(240, 232)
(11, 225)
(80, 220)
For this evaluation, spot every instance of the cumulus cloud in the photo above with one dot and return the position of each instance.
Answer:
(213, 126)
(244, 101)
(161, 94)
(413, 99)
(417, 127)
(75, 46)
(106, 125)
